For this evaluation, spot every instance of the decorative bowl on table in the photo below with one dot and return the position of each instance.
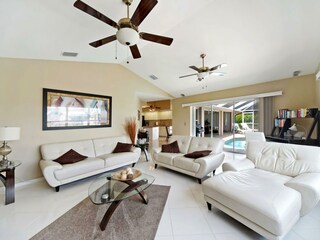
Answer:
(119, 176)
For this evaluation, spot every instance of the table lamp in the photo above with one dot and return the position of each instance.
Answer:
(294, 130)
(7, 134)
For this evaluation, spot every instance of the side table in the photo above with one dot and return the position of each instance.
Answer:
(144, 147)
(8, 180)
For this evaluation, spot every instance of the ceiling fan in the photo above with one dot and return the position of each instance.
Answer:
(204, 72)
(151, 107)
(127, 28)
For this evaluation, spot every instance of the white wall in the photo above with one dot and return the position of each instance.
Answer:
(21, 84)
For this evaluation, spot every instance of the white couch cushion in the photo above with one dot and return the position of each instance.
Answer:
(259, 196)
(108, 144)
(114, 159)
(183, 142)
(79, 168)
(52, 151)
(186, 163)
(206, 143)
(166, 158)
(287, 159)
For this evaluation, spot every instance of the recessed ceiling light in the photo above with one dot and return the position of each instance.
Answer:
(182, 95)
(69, 54)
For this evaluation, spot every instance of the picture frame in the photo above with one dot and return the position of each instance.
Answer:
(75, 110)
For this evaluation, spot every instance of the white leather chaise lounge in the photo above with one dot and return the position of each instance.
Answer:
(270, 189)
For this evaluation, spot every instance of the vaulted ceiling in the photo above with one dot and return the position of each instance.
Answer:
(260, 40)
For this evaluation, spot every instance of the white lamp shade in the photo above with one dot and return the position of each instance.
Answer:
(127, 36)
(9, 133)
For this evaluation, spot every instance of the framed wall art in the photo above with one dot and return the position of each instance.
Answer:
(74, 110)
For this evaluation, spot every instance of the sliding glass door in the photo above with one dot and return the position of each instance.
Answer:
(227, 120)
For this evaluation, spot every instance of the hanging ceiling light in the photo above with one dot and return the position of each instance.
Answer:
(202, 75)
(127, 35)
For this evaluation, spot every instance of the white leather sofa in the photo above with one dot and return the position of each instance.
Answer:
(270, 189)
(100, 159)
(199, 167)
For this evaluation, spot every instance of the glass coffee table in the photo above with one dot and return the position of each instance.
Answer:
(105, 189)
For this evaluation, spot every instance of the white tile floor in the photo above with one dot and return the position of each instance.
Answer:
(185, 216)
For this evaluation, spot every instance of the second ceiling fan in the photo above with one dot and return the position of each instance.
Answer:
(204, 72)
(127, 28)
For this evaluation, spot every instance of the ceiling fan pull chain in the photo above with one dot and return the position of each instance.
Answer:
(127, 55)
(116, 53)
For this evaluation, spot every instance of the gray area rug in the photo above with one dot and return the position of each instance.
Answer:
(131, 220)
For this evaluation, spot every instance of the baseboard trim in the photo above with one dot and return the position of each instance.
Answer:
(23, 184)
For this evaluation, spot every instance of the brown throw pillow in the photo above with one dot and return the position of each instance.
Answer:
(170, 148)
(122, 147)
(198, 154)
(70, 157)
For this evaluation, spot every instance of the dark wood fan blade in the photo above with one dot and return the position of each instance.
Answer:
(195, 68)
(218, 67)
(188, 75)
(135, 51)
(103, 41)
(156, 38)
(143, 9)
(91, 11)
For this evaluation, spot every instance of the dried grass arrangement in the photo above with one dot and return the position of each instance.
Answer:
(131, 128)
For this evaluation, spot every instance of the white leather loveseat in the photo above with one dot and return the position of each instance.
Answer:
(199, 167)
(270, 189)
(100, 159)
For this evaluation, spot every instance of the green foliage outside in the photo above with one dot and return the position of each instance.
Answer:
(247, 118)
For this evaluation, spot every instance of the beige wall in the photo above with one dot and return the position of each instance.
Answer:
(21, 83)
(298, 92)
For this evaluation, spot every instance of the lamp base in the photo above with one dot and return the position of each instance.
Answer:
(4, 151)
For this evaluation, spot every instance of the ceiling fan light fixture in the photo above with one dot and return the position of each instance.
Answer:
(202, 75)
(127, 36)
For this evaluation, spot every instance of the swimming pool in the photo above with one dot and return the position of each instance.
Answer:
(239, 144)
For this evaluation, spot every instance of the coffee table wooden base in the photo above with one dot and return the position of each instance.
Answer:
(115, 204)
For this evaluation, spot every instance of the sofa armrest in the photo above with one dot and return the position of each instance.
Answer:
(208, 164)
(136, 150)
(238, 165)
(156, 150)
(307, 184)
(48, 167)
